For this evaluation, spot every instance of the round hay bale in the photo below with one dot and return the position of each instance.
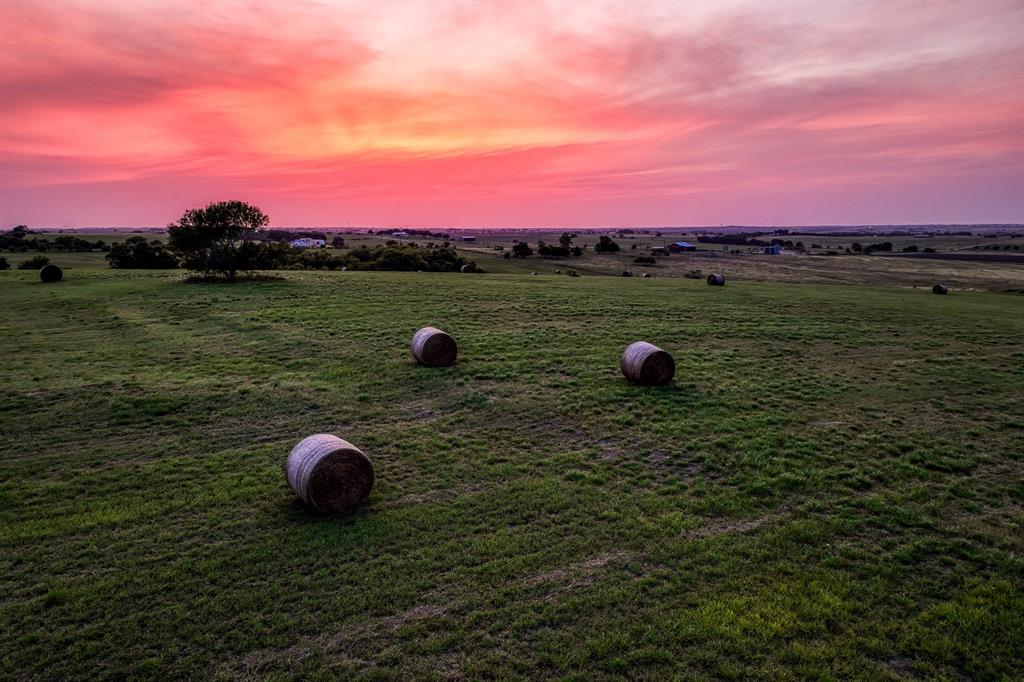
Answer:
(51, 273)
(627, 273)
(573, 273)
(433, 348)
(646, 364)
(533, 273)
(646, 275)
(468, 267)
(940, 289)
(716, 280)
(329, 474)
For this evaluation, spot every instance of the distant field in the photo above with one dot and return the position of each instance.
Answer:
(831, 489)
(878, 270)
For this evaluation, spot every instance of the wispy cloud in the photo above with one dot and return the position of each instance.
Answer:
(502, 113)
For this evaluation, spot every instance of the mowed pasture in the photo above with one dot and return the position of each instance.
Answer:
(872, 270)
(831, 488)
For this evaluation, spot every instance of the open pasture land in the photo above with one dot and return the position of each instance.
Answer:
(832, 487)
(874, 270)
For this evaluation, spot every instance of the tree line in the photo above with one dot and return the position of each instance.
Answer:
(17, 240)
(563, 249)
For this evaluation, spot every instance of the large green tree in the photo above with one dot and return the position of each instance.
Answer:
(218, 239)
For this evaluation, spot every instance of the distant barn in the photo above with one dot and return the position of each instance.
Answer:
(677, 247)
(772, 250)
(468, 239)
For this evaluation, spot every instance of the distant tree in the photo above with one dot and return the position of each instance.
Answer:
(267, 255)
(213, 240)
(4, 265)
(606, 245)
(882, 246)
(566, 239)
(136, 253)
(552, 251)
(577, 251)
(338, 242)
(521, 250)
(34, 263)
(912, 248)
(928, 249)
(856, 247)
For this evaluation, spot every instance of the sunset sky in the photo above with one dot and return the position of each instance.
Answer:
(513, 113)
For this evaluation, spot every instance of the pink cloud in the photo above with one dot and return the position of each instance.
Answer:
(575, 114)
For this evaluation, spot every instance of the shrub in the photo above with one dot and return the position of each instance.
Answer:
(338, 242)
(304, 259)
(403, 258)
(34, 263)
(4, 265)
(645, 260)
(883, 246)
(521, 250)
(606, 245)
(137, 254)
(552, 251)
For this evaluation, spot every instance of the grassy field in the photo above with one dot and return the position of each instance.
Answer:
(831, 489)
(882, 271)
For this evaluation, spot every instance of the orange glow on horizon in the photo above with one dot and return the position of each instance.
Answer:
(500, 114)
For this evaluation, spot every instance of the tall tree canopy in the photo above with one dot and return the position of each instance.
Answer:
(218, 239)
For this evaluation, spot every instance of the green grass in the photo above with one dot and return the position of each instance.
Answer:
(831, 489)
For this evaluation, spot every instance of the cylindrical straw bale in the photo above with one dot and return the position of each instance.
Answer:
(716, 280)
(51, 273)
(434, 348)
(329, 474)
(645, 363)
(940, 289)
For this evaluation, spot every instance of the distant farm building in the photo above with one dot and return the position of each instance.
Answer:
(307, 243)
(772, 250)
(660, 251)
(400, 235)
(468, 239)
(677, 247)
